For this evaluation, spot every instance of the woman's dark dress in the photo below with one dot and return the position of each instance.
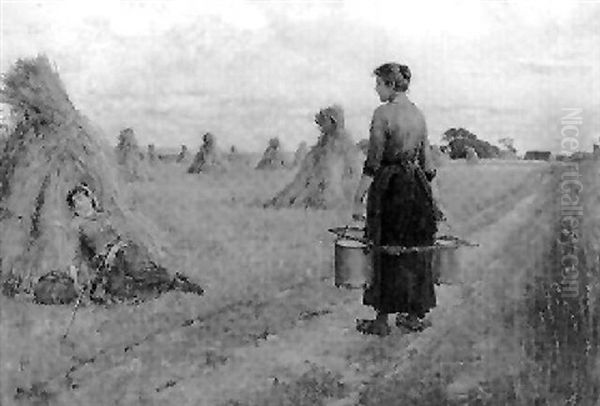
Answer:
(400, 211)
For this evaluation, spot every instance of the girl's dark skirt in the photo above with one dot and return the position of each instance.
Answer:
(400, 212)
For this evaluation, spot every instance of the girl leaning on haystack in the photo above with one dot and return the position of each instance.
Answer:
(400, 207)
(121, 269)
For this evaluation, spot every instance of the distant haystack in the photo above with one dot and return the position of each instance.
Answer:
(52, 150)
(233, 154)
(208, 157)
(273, 157)
(472, 156)
(300, 153)
(329, 174)
(151, 154)
(129, 156)
(183, 154)
(537, 155)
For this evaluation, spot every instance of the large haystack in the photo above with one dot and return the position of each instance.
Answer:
(300, 153)
(52, 150)
(273, 157)
(129, 156)
(208, 157)
(329, 174)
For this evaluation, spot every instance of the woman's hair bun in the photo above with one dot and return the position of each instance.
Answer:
(394, 74)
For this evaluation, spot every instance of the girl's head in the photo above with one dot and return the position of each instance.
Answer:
(391, 79)
(81, 201)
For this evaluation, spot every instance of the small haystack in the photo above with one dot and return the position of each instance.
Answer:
(273, 157)
(208, 157)
(328, 176)
(151, 154)
(129, 157)
(472, 156)
(52, 151)
(183, 154)
(300, 154)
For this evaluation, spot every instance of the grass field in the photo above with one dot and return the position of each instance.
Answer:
(271, 329)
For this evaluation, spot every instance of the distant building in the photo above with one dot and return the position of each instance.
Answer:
(538, 155)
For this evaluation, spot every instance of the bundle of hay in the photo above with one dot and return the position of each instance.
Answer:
(208, 157)
(329, 174)
(472, 156)
(300, 154)
(273, 157)
(183, 154)
(129, 156)
(151, 154)
(52, 149)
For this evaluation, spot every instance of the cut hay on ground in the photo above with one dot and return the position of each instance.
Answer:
(52, 149)
(207, 158)
(129, 157)
(273, 157)
(329, 174)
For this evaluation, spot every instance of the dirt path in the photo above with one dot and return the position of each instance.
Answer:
(518, 339)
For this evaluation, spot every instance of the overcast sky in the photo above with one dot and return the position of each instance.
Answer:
(248, 71)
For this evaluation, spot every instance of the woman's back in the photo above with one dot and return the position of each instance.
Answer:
(405, 128)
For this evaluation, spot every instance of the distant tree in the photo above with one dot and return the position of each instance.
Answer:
(508, 144)
(459, 139)
(457, 133)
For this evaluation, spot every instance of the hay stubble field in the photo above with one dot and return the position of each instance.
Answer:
(272, 330)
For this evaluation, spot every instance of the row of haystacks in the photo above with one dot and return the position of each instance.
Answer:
(52, 149)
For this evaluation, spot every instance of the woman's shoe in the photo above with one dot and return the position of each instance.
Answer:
(372, 327)
(412, 322)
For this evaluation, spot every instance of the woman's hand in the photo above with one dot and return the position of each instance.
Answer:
(358, 209)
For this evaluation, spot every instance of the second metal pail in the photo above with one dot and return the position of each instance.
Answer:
(352, 264)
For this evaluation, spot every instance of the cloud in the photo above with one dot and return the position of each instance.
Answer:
(248, 71)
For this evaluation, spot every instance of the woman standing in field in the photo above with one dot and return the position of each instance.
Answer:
(400, 208)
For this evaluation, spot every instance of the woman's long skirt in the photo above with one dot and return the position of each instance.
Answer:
(400, 212)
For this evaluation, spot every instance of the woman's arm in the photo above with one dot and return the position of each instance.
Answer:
(426, 159)
(373, 161)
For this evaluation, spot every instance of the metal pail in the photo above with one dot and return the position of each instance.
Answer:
(445, 265)
(353, 264)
